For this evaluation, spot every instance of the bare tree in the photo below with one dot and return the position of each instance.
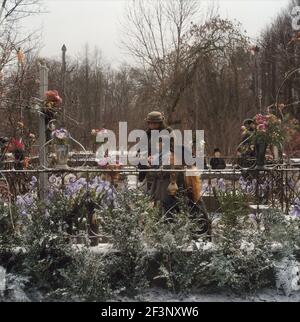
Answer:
(164, 38)
(16, 58)
(13, 10)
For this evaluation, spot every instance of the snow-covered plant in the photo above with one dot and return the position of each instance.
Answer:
(46, 246)
(287, 273)
(8, 233)
(243, 265)
(171, 235)
(16, 288)
(295, 208)
(86, 278)
(233, 206)
(125, 223)
(45, 236)
(76, 198)
(283, 229)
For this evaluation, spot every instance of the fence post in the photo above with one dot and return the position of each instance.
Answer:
(63, 82)
(43, 74)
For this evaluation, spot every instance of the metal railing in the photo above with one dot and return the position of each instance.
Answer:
(277, 187)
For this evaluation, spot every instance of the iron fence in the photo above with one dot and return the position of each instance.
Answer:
(277, 187)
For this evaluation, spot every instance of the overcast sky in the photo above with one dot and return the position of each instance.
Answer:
(97, 22)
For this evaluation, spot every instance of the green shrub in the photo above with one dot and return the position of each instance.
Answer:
(125, 226)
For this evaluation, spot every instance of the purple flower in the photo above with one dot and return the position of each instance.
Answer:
(100, 187)
(252, 216)
(60, 134)
(33, 183)
(75, 187)
(295, 209)
(24, 203)
(221, 184)
(242, 183)
(82, 181)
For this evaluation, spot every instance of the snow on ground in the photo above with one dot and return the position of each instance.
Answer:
(159, 295)
(15, 291)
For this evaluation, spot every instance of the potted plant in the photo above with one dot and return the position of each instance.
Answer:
(50, 109)
(17, 148)
(268, 131)
(61, 147)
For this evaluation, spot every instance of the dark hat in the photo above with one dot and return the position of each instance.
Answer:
(155, 117)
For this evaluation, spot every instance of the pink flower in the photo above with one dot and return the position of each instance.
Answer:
(52, 96)
(262, 127)
(259, 118)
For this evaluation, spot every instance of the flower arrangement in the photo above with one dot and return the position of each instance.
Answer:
(17, 148)
(274, 130)
(269, 128)
(51, 105)
(52, 100)
(61, 136)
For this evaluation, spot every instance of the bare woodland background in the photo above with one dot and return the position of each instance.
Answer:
(201, 71)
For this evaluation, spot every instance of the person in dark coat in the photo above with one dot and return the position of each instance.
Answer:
(217, 163)
(155, 121)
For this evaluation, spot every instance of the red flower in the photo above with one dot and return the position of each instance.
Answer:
(16, 144)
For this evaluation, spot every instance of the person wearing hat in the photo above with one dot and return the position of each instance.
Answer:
(155, 121)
